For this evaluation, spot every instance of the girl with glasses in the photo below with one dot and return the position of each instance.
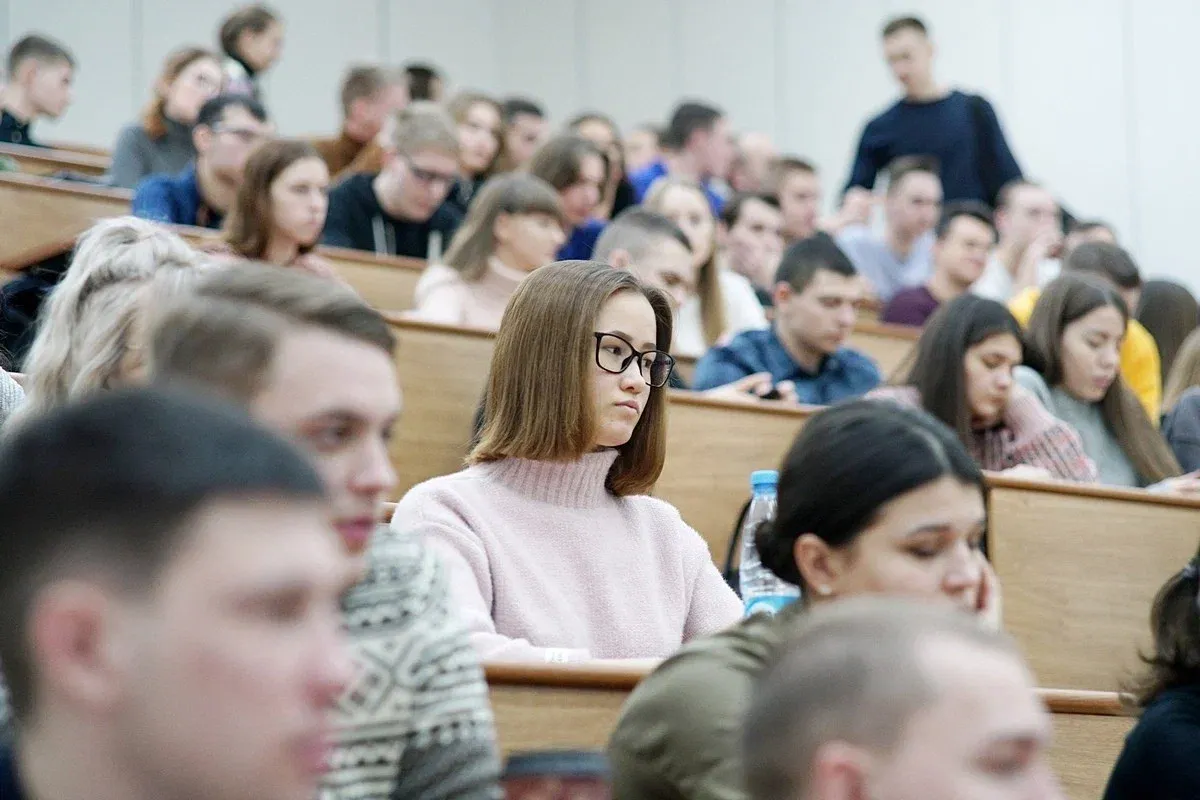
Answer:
(553, 550)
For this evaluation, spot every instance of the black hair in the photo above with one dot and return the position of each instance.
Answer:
(1106, 261)
(845, 465)
(514, 107)
(803, 259)
(110, 484)
(732, 210)
(963, 208)
(421, 78)
(686, 120)
(213, 111)
(939, 372)
(1175, 625)
(1170, 312)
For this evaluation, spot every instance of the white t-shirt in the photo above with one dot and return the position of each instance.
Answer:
(743, 312)
(996, 283)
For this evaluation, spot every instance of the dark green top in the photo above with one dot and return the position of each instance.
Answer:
(680, 733)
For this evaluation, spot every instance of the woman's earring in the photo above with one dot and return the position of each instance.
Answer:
(823, 591)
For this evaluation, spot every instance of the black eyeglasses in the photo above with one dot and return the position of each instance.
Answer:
(427, 176)
(614, 354)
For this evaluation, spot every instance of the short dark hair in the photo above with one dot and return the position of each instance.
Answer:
(111, 484)
(1107, 261)
(37, 47)
(635, 230)
(846, 464)
(900, 168)
(909, 22)
(559, 161)
(784, 166)
(1086, 225)
(963, 208)
(939, 372)
(803, 259)
(514, 107)
(255, 18)
(686, 120)
(732, 212)
(421, 77)
(364, 82)
(213, 111)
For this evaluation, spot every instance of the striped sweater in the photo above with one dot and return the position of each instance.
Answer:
(1029, 435)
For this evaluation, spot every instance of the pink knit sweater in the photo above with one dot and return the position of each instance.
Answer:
(546, 565)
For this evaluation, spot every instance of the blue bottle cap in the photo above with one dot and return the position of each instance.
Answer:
(764, 478)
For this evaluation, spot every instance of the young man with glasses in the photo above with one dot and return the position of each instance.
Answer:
(227, 130)
(401, 210)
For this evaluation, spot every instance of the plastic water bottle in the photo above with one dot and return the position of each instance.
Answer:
(762, 591)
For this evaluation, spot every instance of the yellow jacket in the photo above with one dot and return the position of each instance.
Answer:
(1140, 365)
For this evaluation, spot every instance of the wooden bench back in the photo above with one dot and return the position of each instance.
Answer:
(48, 161)
(891, 346)
(546, 708)
(1080, 566)
(39, 213)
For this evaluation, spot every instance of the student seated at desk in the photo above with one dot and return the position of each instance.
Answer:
(280, 208)
(816, 295)
(227, 130)
(515, 225)
(1161, 756)
(554, 552)
(963, 375)
(575, 168)
(370, 97)
(39, 72)
(161, 141)
(724, 303)
(478, 124)
(401, 210)
(1073, 346)
(874, 499)
(252, 40)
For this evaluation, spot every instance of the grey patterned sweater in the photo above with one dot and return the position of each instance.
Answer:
(417, 724)
(11, 396)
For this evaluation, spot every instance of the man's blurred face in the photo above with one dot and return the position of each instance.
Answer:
(914, 205)
(755, 242)
(226, 146)
(1031, 212)
(800, 202)
(909, 55)
(524, 136)
(49, 84)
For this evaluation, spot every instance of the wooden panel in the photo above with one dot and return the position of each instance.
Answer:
(713, 446)
(1080, 567)
(44, 161)
(1084, 751)
(890, 345)
(442, 371)
(35, 212)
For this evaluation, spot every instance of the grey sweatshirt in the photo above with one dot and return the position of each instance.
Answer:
(137, 156)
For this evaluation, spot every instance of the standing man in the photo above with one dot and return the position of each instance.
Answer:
(901, 256)
(959, 129)
(39, 73)
(696, 146)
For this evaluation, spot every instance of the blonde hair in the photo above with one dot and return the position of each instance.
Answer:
(708, 280)
(424, 126)
(1185, 372)
(475, 240)
(124, 252)
(539, 397)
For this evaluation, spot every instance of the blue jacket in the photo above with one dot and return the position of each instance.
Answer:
(10, 788)
(582, 243)
(946, 129)
(175, 199)
(843, 375)
(645, 178)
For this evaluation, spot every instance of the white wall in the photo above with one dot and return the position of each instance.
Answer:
(1094, 94)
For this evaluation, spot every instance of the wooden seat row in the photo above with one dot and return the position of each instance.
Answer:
(553, 707)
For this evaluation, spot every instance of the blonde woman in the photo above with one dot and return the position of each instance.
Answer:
(554, 551)
(515, 226)
(122, 254)
(724, 303)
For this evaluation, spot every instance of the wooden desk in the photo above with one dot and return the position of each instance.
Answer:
(47, 161)
(38, 213)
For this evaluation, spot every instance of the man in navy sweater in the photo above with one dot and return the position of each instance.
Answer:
(960, 129)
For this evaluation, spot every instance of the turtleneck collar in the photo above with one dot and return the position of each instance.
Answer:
(506, 273)
(573, 484)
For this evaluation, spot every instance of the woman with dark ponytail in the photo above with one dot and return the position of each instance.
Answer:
(1161, 758)
(874, 498)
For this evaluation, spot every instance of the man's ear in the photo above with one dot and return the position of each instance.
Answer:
(73, 637)
(782, 292)
(202, 136)
(621, 259)
(841, 771)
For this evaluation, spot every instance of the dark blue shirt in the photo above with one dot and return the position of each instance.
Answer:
(645, 178)
(943, 128)
(582, 242)
(175, 199)
(845, 374)
(13, 131)
(1161, 756)
(10, 788)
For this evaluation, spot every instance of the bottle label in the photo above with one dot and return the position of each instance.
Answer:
(769, 604)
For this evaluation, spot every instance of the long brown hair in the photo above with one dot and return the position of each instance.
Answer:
(460, 106)
(1185, 372)
(1065, 300)
(539, 396)
(708, 279)
(475, 239)
(154, 117)
(1175, 626)
(251, 220)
